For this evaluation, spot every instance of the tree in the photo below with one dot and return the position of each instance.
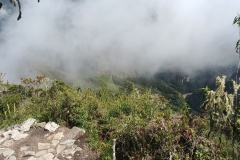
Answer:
(237, 21)
(224, 115)
(19, 6)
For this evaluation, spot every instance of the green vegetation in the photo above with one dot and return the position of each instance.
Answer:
(144, 124)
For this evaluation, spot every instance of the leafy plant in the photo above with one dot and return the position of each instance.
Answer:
(224, 115)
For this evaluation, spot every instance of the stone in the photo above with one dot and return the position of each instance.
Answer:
(8, 143)
(10, 158)
(51, 150)
(41, 158)
(48, 136)
(55, 142)
(24, 148)
(79, 149)
(48, 156)
(55, 158)
(42, 146)
(16, 135)
(68, 142)
(41, 125)
(2, 150)
(68, 153)
(15, 126)
(75, 133)
(32, 158)
(1, 132)
(29, 153)
(76, 148)
(60, 148)
(51, 126)
(58, 136)
(40, 153)
(6, 136)
(25, 126)
(8, 152)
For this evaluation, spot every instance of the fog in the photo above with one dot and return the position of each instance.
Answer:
(137, 35)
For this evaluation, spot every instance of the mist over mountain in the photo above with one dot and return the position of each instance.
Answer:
(137, 35)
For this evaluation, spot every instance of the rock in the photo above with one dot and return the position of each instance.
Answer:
(41, 158)
(2, 150)
(55, 142)
(48, 136)
(51, 150)
(6, 136)
(11, 158)
(58, 136)
(16, 135)
(1, 132)
(29, 153)
(48, 156)
(75, 133)
(40, 153)
(25, 126)
(41, 125)
(32, 158)
(8, 143)
(24, 148)
(51, 126)
(68, 153)
(15, 126)
(68, 142)
(42, 146)
(8, 152)
(76, 148)
(60, 148)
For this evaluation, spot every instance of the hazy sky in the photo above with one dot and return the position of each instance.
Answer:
(142, 35)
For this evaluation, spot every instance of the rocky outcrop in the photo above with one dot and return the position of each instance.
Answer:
(43, 141)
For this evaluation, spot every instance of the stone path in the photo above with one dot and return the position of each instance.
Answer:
(44, 141)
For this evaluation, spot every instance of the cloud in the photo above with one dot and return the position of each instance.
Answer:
(141, 35)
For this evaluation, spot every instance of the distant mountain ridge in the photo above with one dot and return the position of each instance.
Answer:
(172, 84)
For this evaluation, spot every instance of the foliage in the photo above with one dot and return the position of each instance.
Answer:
(142, 122)
(237, 21)
(224, 115)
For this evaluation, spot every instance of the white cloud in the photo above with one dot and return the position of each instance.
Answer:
(137, 34)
